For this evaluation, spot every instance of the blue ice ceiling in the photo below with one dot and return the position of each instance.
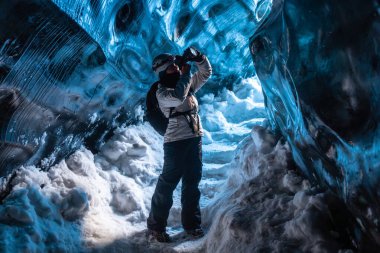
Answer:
(72, 71)
(131, 33)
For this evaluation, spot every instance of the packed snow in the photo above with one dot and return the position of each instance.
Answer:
(265, 205)
(91, 201)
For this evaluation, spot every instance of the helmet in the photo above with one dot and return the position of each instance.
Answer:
(161, 62)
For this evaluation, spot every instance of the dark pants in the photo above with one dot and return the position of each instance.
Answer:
(182, 159)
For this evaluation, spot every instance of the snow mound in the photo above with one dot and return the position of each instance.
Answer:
(85, 201)
(222, 115)
(266, 206)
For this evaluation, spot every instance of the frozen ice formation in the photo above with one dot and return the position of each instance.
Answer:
(318, 62)
(73, 71)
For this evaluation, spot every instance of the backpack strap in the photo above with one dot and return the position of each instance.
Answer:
(171, 111)
(187, 115)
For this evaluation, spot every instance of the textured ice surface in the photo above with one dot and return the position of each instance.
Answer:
(73, 71)
(131, 33)
(318, 62)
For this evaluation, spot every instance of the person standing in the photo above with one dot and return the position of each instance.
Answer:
(182, 141)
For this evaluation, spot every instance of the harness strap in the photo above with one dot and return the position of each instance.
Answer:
(187, 115)
(176, 114)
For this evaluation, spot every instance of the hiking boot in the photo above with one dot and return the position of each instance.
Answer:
(196, 233)
(158, 236)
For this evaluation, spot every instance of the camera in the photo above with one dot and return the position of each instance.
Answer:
(189, 54)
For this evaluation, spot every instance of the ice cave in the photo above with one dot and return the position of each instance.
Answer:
(290, 119)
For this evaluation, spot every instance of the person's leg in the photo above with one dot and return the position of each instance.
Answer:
(191, 214)
(162, 199)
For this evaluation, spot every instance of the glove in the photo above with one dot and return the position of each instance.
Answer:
(192, 54)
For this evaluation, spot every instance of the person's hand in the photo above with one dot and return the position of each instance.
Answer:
(192, 54)
(185, 68)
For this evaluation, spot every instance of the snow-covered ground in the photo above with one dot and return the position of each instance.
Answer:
(265, 205)
(90, 201)
(252, 200)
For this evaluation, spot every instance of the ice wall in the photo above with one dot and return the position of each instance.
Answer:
(54, 86)
(318, 62)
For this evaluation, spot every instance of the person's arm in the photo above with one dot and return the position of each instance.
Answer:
(202, 75)
(175, 97)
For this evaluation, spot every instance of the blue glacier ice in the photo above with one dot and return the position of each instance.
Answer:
(318, 63)
(71, 72)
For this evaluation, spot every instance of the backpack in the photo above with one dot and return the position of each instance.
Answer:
(154, 114)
